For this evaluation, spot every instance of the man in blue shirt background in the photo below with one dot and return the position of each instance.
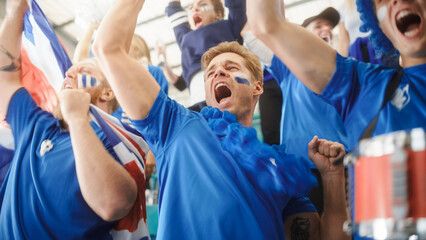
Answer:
(217, 181)
(64, 181)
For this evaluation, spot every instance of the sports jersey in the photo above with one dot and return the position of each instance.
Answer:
(41, 197)
(158, 75)
(193, 44)
(304, 114)
(357, 90)
(205, 192)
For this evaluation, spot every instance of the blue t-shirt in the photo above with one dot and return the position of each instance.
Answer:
(41, 197)
(193, 44)
(304, 114)
(357, 90)
(158, 75)
(203, 192)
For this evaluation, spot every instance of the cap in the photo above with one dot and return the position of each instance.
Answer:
(329, 14)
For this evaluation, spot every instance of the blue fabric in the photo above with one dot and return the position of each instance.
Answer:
(158, 75)
(357, 90)
(205, 191)
(370, 24)
(355, 51)
(41, 197)
(304, 114)
(193, 44)
(6, 156)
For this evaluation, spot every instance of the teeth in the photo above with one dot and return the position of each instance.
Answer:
(219, 85)
(411, 33)
(403, 14)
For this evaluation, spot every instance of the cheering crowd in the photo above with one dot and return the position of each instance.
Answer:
(76, 171)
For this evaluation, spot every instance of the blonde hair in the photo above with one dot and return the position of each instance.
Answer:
(141, 50)
(251, 61)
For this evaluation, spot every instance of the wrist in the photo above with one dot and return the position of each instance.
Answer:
(74, 121)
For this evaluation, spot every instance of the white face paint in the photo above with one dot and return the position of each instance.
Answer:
(381, 13)
(206, 8)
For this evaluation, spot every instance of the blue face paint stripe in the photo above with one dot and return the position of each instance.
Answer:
(93, 81)
(83, 80)
(242, 81)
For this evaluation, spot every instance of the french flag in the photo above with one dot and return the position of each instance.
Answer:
(44, 63)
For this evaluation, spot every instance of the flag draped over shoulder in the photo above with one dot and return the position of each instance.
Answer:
(44, 63)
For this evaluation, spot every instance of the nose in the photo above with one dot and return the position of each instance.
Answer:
(220, 72)
(70, 74)
(396, 1)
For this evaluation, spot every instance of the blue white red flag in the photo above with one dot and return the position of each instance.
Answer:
(44, 64)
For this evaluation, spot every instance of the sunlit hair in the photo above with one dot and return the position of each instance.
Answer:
(370, 23)
(218, 7)
(251, 61)
(141, 50)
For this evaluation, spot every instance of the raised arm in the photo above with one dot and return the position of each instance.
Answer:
(324, 153)
(135, 88)
(106, 186)
(10, 51)
(83, 46)
(310, 59)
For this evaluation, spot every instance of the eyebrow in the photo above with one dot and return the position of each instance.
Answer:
(226, 63)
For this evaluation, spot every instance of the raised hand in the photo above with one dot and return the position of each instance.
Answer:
(74, 104)
(324, 153)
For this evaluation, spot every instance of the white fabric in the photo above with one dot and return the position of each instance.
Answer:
(196, 88)
(350, 16)
(256, 46)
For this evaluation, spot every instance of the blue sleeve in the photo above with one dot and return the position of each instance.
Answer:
(158, 74)
(179, 20)
(355, 83)
(164, 122)
(237, 16)
(23, 113)
(278, 69)
(298, 205)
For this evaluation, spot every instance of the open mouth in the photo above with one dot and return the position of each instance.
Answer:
(222, 92)
(326, 38)
(408, 23)
(198, 21)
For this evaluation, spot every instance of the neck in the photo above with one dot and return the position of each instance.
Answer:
(104, 106)
(410, 61)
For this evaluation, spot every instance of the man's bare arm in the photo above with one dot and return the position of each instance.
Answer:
(135, 88)
(324, 153)
(10, 51)
(106, 186)
(310, 59)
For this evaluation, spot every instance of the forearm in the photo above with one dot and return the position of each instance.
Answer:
(117, 28)
(10, 44)
(106, 186)
(343, 47)
(83, 46)
(134, 87)
(310, 59)
(335, 213)
(170, 75)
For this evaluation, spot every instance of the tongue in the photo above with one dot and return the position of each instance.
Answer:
(412, 27)
(223, 99)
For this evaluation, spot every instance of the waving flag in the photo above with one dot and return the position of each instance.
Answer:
(129, 146)
(44, 64)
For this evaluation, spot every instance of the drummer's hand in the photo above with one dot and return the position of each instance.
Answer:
(324, 153)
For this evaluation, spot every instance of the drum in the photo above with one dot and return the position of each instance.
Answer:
(387, 186)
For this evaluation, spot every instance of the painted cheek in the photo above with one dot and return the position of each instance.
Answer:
(206, 8)
(381, 13)
(86, 81)
(241, 78)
